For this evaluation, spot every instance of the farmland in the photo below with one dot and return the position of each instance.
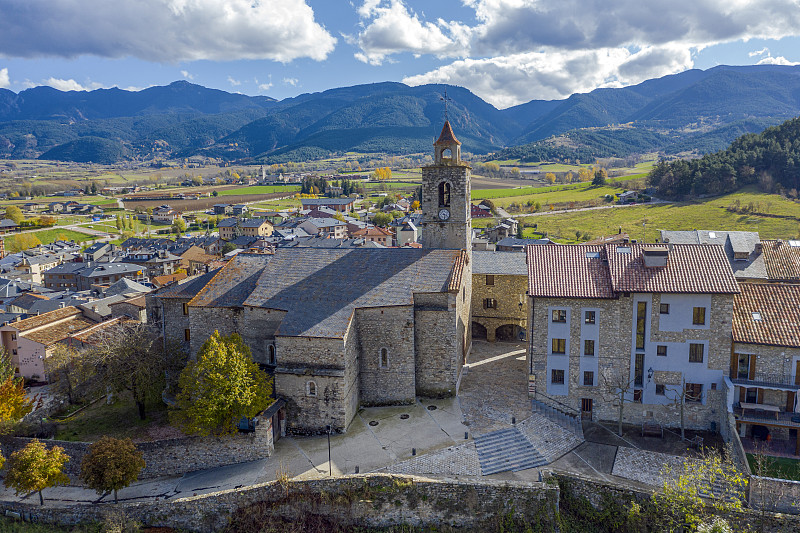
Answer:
(203, 204)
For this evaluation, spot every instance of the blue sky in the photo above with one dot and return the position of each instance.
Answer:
(506, 51)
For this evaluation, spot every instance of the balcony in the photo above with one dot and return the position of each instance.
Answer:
(768, 380)
(780, 417)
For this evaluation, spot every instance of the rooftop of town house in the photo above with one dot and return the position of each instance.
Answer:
(782, 260)
(742, 248)
(46, 318)
(499, 263)
(767, 313)
(569, 271)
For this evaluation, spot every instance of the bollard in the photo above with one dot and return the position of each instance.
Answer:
(356, 470)
(413, 451)
(513, 419)
(466, 435)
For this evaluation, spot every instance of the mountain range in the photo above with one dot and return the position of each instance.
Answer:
(695, 111)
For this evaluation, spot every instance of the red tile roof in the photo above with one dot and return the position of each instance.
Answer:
(574, 271)
(447, 136)
(691, 268)
(604, 271)
(46, 318)
(778, 307)
(782, 260)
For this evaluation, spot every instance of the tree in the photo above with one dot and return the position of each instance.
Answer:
(128, 357)
(221, 386)
(415, 205)
(14, 213)
(178, 225)
(689, 496)
(35, 468)
(215, 194)
(228, 248)
(617, 385)
(71, 373)
(382, 219)
(118, 222)
(111, 464)
(14, 404)
(678, 395)
(600, 177)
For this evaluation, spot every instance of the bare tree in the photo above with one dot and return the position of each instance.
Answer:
(617, 386)
(679, 395)
(71, 372)
(130, 357)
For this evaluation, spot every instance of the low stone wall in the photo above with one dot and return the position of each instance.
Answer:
(173, 456)
(776, 495)
(372, 500)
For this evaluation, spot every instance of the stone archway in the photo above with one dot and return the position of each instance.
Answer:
(509, 333)
(479, 331)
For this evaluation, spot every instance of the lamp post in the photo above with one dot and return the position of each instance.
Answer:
(330, 466)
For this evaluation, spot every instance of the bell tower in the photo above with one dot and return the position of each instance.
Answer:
(446, 190)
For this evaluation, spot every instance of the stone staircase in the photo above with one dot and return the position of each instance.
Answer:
(560, 415)
(506, 449)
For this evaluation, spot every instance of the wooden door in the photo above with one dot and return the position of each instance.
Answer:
(790, 402)
(752, 374)
(797, 374)
(586, 408)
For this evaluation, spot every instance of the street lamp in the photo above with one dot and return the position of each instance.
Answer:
(649, 374)
(330, 466)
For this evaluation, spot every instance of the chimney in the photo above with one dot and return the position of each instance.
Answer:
(759, 247)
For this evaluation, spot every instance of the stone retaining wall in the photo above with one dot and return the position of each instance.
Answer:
(373, 500)
(173, 456)
(776, 495)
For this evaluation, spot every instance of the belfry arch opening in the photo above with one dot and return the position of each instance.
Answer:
(444, 194)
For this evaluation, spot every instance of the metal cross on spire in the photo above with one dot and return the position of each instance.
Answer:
(446, 99)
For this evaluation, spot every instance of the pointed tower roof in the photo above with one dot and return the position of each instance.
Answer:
(447, 136)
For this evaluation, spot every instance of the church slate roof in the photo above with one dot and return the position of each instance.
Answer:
(187, 288)
(321, 288)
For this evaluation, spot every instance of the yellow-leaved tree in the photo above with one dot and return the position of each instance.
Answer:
(13, 402)
(35, 468)
(220, 387)
(111, 464)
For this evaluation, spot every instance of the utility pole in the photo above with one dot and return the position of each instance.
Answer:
(330, 466)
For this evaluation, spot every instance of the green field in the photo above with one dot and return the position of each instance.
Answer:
(778, 467)
(710, 215)
(51, 235)
(553, 194)
(260, 189)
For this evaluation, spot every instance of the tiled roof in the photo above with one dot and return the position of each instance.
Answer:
(691, 268)
(160, 281)
(782, 260)
(57, 332)
(320, 288)
(374, 231)
(138, 301)
(574, 271)
(509, 263)
(254, 222)
(46, 318)
(447, 136)
(777, 321)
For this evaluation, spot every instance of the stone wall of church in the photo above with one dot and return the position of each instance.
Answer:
(175, 322)
(306, 360)
(437, 344)
(456, 232)
(392, 329)
(203, 321)
(508, 291)
(258, 329)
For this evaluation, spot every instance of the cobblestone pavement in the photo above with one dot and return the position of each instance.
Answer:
(645, 466)
(461, 460)
(550, 440)
(494, 388)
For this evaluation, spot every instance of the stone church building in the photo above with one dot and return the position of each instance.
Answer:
(347, 327)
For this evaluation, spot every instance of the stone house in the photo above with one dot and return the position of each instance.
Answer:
(504, 229)
(382, 236)
(499, 296)
(345, 327)
(651, 320)
(765, 361)
(32, 340)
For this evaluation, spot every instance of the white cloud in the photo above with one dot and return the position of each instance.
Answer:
(780, 60)
(265, 86)
(186, 74)
(759, 52)
(5, 81)
(509, 80)
(164, 30)
(394, 28)
(234, 82)
(291, 81)
(67, 85)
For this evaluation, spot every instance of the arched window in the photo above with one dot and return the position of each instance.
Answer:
(271, 354)
(383, 358)
(444, 194)
(311, 388)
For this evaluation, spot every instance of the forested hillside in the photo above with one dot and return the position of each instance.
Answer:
(694, 111)
(771, 158)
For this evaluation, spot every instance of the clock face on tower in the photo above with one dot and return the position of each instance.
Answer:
(444, 214)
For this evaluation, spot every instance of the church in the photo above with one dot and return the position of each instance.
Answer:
(344, 328)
